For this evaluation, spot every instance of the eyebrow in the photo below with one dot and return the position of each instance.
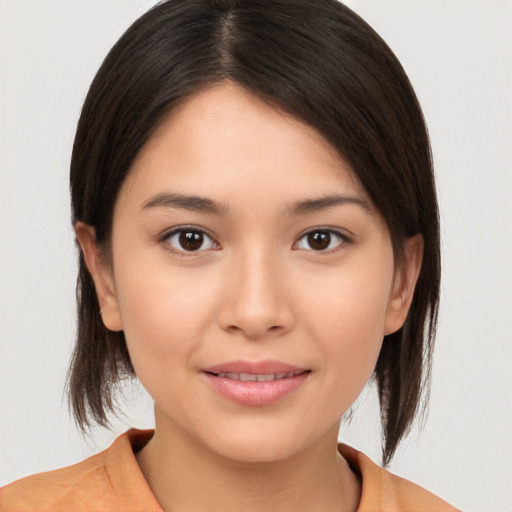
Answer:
(325, 202)
(205, 205)
(193, 203)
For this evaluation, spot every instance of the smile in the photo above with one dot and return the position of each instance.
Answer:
(255, 384)
(261, 377)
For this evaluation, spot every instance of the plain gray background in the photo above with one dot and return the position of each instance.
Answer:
(458, 54)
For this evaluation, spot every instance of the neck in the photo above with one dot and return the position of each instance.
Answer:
(185, 475)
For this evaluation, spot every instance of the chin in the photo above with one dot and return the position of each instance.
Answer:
(260, 451)
(262, 443)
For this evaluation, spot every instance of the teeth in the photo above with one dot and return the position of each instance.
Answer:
(248, 377)
(264, 377)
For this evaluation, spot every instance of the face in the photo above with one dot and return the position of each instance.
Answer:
(252, 277)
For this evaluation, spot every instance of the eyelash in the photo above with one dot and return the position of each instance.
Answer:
(165, 239)
(342, 238)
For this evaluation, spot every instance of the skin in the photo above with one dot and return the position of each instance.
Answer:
(255, 290)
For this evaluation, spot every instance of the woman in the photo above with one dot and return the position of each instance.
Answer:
(253, 197)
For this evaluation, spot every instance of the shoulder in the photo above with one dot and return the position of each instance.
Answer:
(57, 489)
(387, 492)
(109, 480)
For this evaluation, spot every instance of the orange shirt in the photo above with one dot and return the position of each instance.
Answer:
(112, 481)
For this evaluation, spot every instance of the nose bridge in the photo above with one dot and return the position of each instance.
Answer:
(257, 303)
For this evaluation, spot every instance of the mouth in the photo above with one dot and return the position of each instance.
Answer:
(255, 384)
(258, 377)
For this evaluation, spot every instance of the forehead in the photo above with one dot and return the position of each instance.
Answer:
(224, 140)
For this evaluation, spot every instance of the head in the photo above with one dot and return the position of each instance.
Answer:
(332, 74)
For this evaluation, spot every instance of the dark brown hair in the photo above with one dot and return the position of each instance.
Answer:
(315, 59)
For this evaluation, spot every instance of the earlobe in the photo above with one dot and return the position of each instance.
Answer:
(102, 276)
(406, 277)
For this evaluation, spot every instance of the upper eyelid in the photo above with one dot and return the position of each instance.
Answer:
(338, 231)
(171, 231)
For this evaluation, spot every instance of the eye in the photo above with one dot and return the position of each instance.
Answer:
(190, 240)
(321, 240)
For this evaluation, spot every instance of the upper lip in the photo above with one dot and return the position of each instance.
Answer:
(257, 368)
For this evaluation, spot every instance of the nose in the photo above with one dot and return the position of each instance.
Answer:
(256, 303)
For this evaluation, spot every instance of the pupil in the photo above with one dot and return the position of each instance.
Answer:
(319, 240)
(191, 240)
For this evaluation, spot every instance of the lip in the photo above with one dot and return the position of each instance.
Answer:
(253, 392)
(258, 367)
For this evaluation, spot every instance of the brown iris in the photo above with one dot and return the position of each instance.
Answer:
(191, 240)
(319, 240)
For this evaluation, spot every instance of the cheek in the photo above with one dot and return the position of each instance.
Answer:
(350, 302)
(347, 315)
(164, 313)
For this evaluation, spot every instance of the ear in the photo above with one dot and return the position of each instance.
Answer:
(406, 276)
(102, 276)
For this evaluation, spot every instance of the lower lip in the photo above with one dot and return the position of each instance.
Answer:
(256, 394)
